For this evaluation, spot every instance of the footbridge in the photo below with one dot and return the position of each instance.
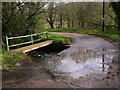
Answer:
(28, 43)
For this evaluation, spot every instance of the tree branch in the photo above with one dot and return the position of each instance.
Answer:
(34, 13)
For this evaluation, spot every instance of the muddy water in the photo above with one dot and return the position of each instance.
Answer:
(89, 62)
(80, 63)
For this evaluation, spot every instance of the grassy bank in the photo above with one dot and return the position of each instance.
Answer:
(59, 39)
(108, 33)
(8, 59)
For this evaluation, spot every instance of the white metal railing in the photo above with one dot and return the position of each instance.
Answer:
(31, 41)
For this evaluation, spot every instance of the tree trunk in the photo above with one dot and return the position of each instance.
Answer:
(68, 22)
(60, 21)
(72, 23)
(78, 24)
(82, 25)
(118, 18)
(118, 21)
(50, 23)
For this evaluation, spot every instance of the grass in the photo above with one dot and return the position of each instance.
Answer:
(59, 39)
(108, 33)
(8, 59)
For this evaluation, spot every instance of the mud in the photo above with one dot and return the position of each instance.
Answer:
(89, 62)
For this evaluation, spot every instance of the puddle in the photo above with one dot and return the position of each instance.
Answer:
(79, 62)
(88, 62)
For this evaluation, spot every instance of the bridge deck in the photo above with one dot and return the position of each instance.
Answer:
(33, 46)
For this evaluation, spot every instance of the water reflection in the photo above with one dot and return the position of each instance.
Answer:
(103, 61)
(78, 62)
(81, 62)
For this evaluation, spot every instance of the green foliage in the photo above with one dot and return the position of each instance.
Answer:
(0, 59)
(116, 9)
(8, 59)
(114, 34)
(20, 18)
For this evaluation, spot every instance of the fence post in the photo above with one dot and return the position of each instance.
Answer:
(7, 43)
(32, 38)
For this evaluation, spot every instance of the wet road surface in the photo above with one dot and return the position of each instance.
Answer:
(89, 62)
(90, 41)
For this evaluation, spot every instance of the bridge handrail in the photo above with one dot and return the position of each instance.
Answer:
(31, 41)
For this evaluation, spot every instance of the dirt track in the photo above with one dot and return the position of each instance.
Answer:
(84, 40)
(90, 62)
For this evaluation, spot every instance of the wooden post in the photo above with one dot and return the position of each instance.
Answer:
(103, 17)
(7, 43)
(32, 39)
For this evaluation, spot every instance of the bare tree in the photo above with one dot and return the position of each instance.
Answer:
(51, 13)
